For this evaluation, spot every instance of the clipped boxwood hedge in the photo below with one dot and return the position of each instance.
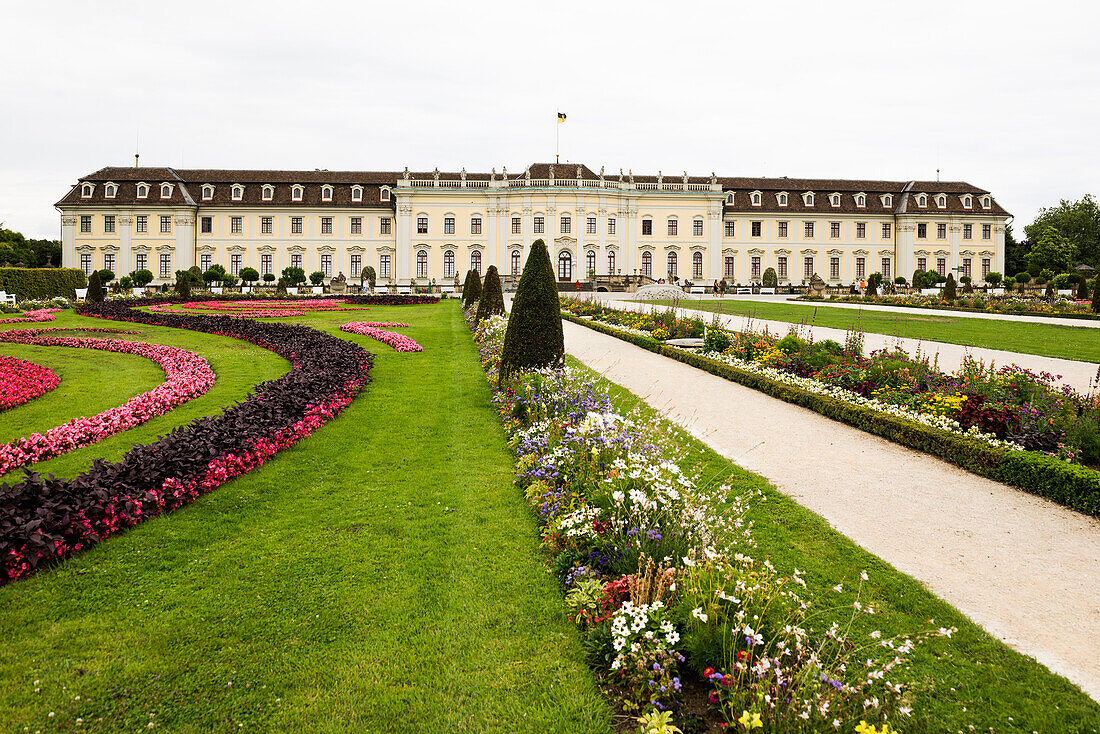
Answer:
(1071, 485)
(42, 283)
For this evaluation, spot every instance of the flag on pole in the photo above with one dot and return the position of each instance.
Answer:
(561, 117)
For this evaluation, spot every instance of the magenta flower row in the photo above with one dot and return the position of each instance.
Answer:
(251, 309)
(400, 342)
(187, 375)
(21, 381)
(41, 314)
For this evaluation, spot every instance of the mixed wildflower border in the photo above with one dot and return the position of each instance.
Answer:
(22, 381)
(1071, 485)
(1047, 306)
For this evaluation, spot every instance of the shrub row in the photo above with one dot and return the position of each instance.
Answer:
(1068, 484)
(44, 518)
(42, 283)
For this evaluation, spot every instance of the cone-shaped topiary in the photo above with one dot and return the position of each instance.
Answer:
(492, 295)
(534, 338)
(280, 287)
(1096, 296)
(95, 288)
(949, 293)
(183, 284)
(471, 291)
(1083, 289)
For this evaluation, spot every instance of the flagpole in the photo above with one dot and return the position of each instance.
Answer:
(557, 139)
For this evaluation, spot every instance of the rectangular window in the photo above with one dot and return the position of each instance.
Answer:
(448, 225)
(86, 223)
(86, 263)
(834, 268)
(968, 231)
(566, 225)
(611, 225)
(265, 225)
(757, 228)
(886, 228)
(357, 225)
(295, 225)
(204, 262)
(754, 267)
(782, 229)
(165, 224)
(781, 267)
(356, 265)
(861, 268)
(326, 265)
(265, 264)
(384, 225)
(142, 223)
(922, 231)
(540, 225)
(206, 225)
(326, 225)
(647, 226)
(235, 264)
(941, 231)
(109, 261)
(885, 269)
(590, 225)
(697, 228)
(966, 268)
(673, 227)
(987, 231)
(985, 267)
(422, 225)
(475, 225)
(109, 225)
(727, 269)
(236, 225)
(383, 266)
(295, 261)
(922, 263)
(517, 225)
(834, 230)
(808, 267)
(730, 228)
(141, 260)
(166, 265)
(941, 266)
(808, 230)
(861, 230)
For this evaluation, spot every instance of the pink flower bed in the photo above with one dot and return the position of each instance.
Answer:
(21, 381)
(41, 314)
(400, 342)
(187, 375)
(253, 309)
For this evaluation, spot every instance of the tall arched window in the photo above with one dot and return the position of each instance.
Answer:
(422, 264)
(611, 262)
(449, 264)
(647, 264)
(590, 263)
(565, 266)
(515, 262)
(475, 261)
(697, 265)
(671, 265)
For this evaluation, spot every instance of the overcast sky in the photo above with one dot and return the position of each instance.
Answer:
(1005, 95)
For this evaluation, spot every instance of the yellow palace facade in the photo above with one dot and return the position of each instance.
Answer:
(431, 226)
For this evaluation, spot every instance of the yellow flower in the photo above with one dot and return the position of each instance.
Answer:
(750, 721)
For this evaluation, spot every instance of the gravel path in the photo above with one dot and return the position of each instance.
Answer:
(1024, 568)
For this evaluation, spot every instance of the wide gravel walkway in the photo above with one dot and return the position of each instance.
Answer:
(1024, 568)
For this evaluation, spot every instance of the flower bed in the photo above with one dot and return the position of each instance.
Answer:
(1056, 306)
(37, 315)
(187, 375)
(660, 575)
(400, 342)
(254, 310)
(44, 519)
(1055, 474)
(22, 381)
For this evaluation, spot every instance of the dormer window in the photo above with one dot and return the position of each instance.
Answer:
(142, 190)
(729, 198)
(835, 199)
(326, 193)
(861, 200)
(941, 201)
(237, 192)
(110, 190)
(296, 193)
(781, 198)
(985, 202)
(86, 190)
(385, 195)
(887, 200)
(967, 201)
(922, 201)
(207, 192)
(166, 191)
(268, 192)
(756, 198)
(356, 193)
(808, 198)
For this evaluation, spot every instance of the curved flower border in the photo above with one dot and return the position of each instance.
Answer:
(22, 381)
(39, 314)
(250, 309)
(399, 342)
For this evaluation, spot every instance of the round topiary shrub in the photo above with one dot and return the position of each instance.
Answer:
(534, 338)
(471, 289)
(368, 277)
(492, 295)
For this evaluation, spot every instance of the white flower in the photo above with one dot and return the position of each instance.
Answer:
(754, 637)
(838, 588)
(946, 632)
(699, 614)
(875, 635)
(863, 575)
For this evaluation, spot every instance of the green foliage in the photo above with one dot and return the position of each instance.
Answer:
(1083, 289)
(949, 288)
(269, 277)
(40, 284)
(215, 274)
(316, 277)
(250, 275)
(229, 280)
(873, 283)
(1053, 250)
(126, 282)
(492, 295)
(471, 289)
(1077, 222)
(534, 338)
(141, 277)
(183, 284)
(1096, 296)
(15, 248)
(899, 280)
(1062, 281)
(293, 275)
(1009, 282)
(1023, 277)
(106, 276)
(770, 279)
(280, 289)
(1044, 276)
(95, 288)
(993, 278)
(368, 276)
(1015, 251)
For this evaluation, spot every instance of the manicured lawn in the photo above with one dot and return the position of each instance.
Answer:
(382, 575)
(971, 679)
(1048, 340)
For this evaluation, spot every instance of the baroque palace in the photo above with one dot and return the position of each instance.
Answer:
(419, 227)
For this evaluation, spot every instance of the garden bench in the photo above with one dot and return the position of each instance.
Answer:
(698, 289)
(770, 291)
(318, 290)
(929, 291)
(7, 299)
(447, 289)
(216, 289)
(81, 293)
(404, 290)
(744, 290)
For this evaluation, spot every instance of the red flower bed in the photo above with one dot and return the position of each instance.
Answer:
(400, 342)
(187, 376)
(41, 314)
(21, 381)
(258, 309)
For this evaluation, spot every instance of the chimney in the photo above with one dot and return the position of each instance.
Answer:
(136, 156)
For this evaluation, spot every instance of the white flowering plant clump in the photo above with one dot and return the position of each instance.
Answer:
(646, 660)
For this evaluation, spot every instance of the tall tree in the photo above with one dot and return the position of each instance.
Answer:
(1015, 252)
(492, 295)
(1077, 221)
(1052, 250)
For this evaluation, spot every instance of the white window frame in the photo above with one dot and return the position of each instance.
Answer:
(834, 200)
(941, 201)
(385, 194)
(268, 192)
(86, 190)
(808, 198)
(166, 187)
(326, 193)
(110, 190)
(207, 192)
(296, 192)
(782, 198)
(237, 192)
(357, 193)
(861, 200)
(143, 191)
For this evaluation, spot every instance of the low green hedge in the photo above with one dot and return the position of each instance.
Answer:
(1068, 484)
(42, 283)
